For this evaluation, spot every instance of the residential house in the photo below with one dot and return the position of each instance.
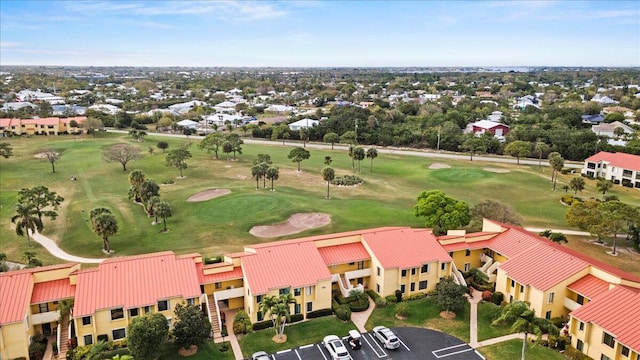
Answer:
(604, 100)
(303, 124)
(609, 130)
(478, 128)
(620, 168)
(593, 119)
(15, 106)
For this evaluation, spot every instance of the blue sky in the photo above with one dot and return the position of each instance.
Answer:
(320, 33)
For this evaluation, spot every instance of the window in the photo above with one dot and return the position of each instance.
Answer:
(580, 345)
(88, 340)
(413, 286)
(360, 265)
(510, 298)
(297, 291)
(513, 283)
(133, 312)
(604, 357)
(422, 285)
(404, 273)
(147, 309)
(624, 351)
(86, 320)
(521, 289)
(548, 315)
(218, 285)
(163, 305)
(451, 254)
(352, 263)
(191, 302)
(467, 267)
(260, 316)
(443, 266)
(309, 290)
(550, 299)
(297, 309)
(378, 270)
(43, 308)
(378, 288)
(360, 281)
(259, 299)
(118, 334)
(609, 340)
(581, 326)
(309, 306)
(467, 252)
(413, 271)
(169, 322)
(283, 291)
(403, 287)
(580, 300)
(425, 268)
(117, 314)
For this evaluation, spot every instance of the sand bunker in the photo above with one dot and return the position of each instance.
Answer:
(497, 170)
(439, 166)
(208, 194)
(295, 224)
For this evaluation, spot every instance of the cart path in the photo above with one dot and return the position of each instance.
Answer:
(53, 248)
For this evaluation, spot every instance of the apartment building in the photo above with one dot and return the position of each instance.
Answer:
(41, 126)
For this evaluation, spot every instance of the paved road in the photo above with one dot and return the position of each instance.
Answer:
(427, 153)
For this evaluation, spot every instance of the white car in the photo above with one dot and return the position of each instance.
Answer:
(388, 339)
(336, 348)
(260, 355)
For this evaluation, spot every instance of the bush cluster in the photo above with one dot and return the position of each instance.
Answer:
(347, 180)
(497, 298)
(261, 325)
(343, 312)
(573, 354)
(319, 313)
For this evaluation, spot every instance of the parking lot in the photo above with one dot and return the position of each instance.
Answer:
(415, 344)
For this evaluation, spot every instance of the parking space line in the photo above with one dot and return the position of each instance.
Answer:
(450, 347)
(403, 344)
(469, 348)
(481, 357)
(283, 351)
(297, 354)
(306, 346)
(372, 348)
(321, 352)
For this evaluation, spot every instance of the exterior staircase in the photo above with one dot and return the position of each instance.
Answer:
(213, 316)
(63, 344)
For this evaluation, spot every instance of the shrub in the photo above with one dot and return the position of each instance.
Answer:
(402, 309)
(213, 260)
(347, 180)
(319, 313)
(343, 312)
(112, 353)
(398, 296)
(103, 337)
(574, 354)
(241, 323)
(224, 347)
(486, 295)
(567, 199)
(260, 325)
(381, 302)
(391, 299)
(373, 295)
(416, 296)
(296, 318)
(558, 322)
(566, 171)
(611, 198)
(497, 297)
(358, 306)
(341, 300)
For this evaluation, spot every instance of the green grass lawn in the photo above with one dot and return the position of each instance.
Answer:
(221, 225)
(512, 349)
(303, 333)
(207, 351)
(486, 313)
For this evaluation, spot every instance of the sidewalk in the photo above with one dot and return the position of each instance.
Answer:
(360, 318)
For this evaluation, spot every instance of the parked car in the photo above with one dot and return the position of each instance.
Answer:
(388, 339)
(260, 355)
(336, 348)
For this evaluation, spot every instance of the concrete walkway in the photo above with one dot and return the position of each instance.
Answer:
(53, 248)
(474, 299)
(360, 318)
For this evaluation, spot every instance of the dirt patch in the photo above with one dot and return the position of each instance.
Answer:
(435, 166)
(295, 224)
(43, 155)
(192, 350)
(208, 194)
(448, 315)
(281, 340)
(497, 170)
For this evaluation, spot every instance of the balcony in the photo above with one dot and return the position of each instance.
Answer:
(45, 317)
(570, 304)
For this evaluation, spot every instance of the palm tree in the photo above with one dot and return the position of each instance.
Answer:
(273, 173)
(328, 174)
(163, 210)
(522, 319)
(557, 163)
(26, 219)
(576, 184)
(105, 225)
(540, 147)
(603, 186)
(279, 310)
(136, 178)
(372, 153)
(95, 212)
(152, 203)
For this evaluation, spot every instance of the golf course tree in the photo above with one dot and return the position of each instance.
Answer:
(327, 160)
(372, 153)
(603, 186)
(518, 149)
(556, 161)
(523, 320)
(495, 210)
(280, 131)
(473, 145)
(576, 184)
(212, 143)
(273, 173)
(259, 168)
(6, 151)
(103, 224)
(92, 125)
(449, 295)
(617, 218)
(556, 237)
(136, 178)
(51, 156)
(162, 145)
(152, 203)
(147, 335)
(163, 210)
(540, 148)
(30, 257)
(121, 153)
(298, 154)
(331, 138)
(178, 158)
(328, 174)
(442, 212)
(192, 326)
(235, 144)
(349, 137)
(43, 201)
(26, 219)
(278, 309)
(148, 189)
(359, 155)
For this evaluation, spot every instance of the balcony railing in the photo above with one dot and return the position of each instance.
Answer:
(45, 317)
(570, 304)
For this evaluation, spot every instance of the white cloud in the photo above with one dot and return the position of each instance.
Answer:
(9, 44)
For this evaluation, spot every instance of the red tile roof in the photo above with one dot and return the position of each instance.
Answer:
(467, 245)
(284, 264)
(405, 248)
(542, 266)
(513, 241)
(234, 274)
(146, 278)
(341, 254)
(589, 286)
(52, 291)
(617, 311)
(621, 160)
